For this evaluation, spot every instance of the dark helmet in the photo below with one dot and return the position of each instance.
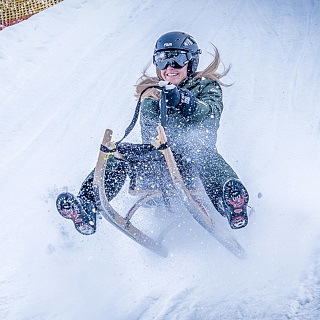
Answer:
(180, 41)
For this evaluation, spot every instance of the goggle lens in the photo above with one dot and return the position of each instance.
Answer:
(175, 58)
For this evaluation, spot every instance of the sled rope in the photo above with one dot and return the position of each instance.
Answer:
(136, 114)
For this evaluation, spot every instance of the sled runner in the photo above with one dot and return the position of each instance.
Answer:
(109, 213)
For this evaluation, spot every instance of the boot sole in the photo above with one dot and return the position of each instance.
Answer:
(75, 213)
(237, 215)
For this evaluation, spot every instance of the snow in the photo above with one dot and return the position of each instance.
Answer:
(69, 72)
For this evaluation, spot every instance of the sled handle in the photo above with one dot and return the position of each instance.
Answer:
(107, 137)
(168, 155)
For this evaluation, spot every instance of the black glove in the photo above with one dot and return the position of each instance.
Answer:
(172, 95)
(181, 100)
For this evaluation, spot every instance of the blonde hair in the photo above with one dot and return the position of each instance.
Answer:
(209, 72)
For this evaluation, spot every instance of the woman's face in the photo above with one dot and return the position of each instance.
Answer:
(173, 75)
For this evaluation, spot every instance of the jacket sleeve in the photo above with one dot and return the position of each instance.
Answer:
(208, 101)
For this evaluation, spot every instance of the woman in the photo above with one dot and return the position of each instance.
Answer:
(195, 107)
(194, 102)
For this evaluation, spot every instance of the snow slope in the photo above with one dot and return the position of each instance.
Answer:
(68, 73)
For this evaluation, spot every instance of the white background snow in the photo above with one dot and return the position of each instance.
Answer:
(68, 73)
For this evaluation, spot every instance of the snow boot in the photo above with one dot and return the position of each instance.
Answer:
(235, 198)
(81, 212)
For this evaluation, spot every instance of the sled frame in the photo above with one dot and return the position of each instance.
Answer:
(191, 200)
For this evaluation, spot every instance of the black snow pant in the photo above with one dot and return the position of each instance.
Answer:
(115, 176)
(214, 172)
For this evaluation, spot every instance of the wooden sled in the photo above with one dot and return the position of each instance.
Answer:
(195, 204)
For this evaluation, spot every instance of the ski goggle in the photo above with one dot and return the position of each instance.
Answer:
(175, 58)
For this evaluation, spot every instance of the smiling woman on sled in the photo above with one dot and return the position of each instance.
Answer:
(194, 107)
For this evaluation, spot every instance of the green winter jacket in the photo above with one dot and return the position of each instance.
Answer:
(195, 134)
